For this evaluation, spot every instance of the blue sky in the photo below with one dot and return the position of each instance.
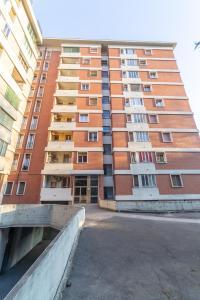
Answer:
(156, 20)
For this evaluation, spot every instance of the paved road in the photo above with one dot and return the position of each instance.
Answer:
(139, 257)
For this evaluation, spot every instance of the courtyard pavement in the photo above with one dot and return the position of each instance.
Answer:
(124, 256)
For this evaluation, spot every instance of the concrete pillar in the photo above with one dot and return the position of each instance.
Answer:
(3, 242)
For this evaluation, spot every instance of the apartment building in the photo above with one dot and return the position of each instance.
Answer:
(19, 37)
(106, 120)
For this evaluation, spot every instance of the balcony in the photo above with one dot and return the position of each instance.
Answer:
(137, 126)
(69, 66)
(143, 168)
(66, 93)
(62, 108)
(60, 146)
(67, 79)
(57, 168)
(56, 194)
(62, 126)
(133, 146)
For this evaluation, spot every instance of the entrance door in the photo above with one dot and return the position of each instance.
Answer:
(86, 189)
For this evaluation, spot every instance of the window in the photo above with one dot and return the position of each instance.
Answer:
(105, 100)
(104, 63)
(37, 106)
(93, 73)
(160, 157)
(153, 75)
(35, 77)
(145, 157)
(30, 141)
(82, 157)
(133, 157)
(93, 101)
(141, 136)
(6, 120)
(135, 87)
(38, 65)
(132, 62)
(20, 141)
(131, 137)
(130, 74)
(31, 32)
(107, 149)
(138, 118)
(148, 180)
(176, 181)
(43, 78)
(107, 169)
(8, 189)
(92, 136)
(24, 122)
(3, 147)
(83, 117)
(23, 62)
(144, 181)
(48, 54)
(93, 50)
(40, 92)
(34, 123)
(127, 51)
(166, 137)
(142, 62)
(28, 47)
(153, 119)
(71, 49)
(147, 51)
(159, 102)
(106, 114)
(147, 88)
(6, 30)
(85, 86)
(26, 162)
(104, 74)
(105, 86)
(21, 188)
(85, 61)
(46, 66)
(15, 162)
(106, 130)
(108, 193)
(134, 102)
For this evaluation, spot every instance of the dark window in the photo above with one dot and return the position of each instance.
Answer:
(107, 149)
(106, 114)
(105, 86)
(105, 100)
(105, 74)
(107, 170)
(104, 62)
(108, 193)
(106, 130)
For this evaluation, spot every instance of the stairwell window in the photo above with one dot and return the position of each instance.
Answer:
(176, 181)
(166, 137)
(21, 188)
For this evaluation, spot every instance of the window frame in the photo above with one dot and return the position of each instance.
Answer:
(8, 194)
(82, 162)
(22, 170)
(90, 140)
(159, 99)
(172, 183)
(18, 185)
(148, 52)
(80, 115)
(171, 138)
(156, 157)
(153, 115)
